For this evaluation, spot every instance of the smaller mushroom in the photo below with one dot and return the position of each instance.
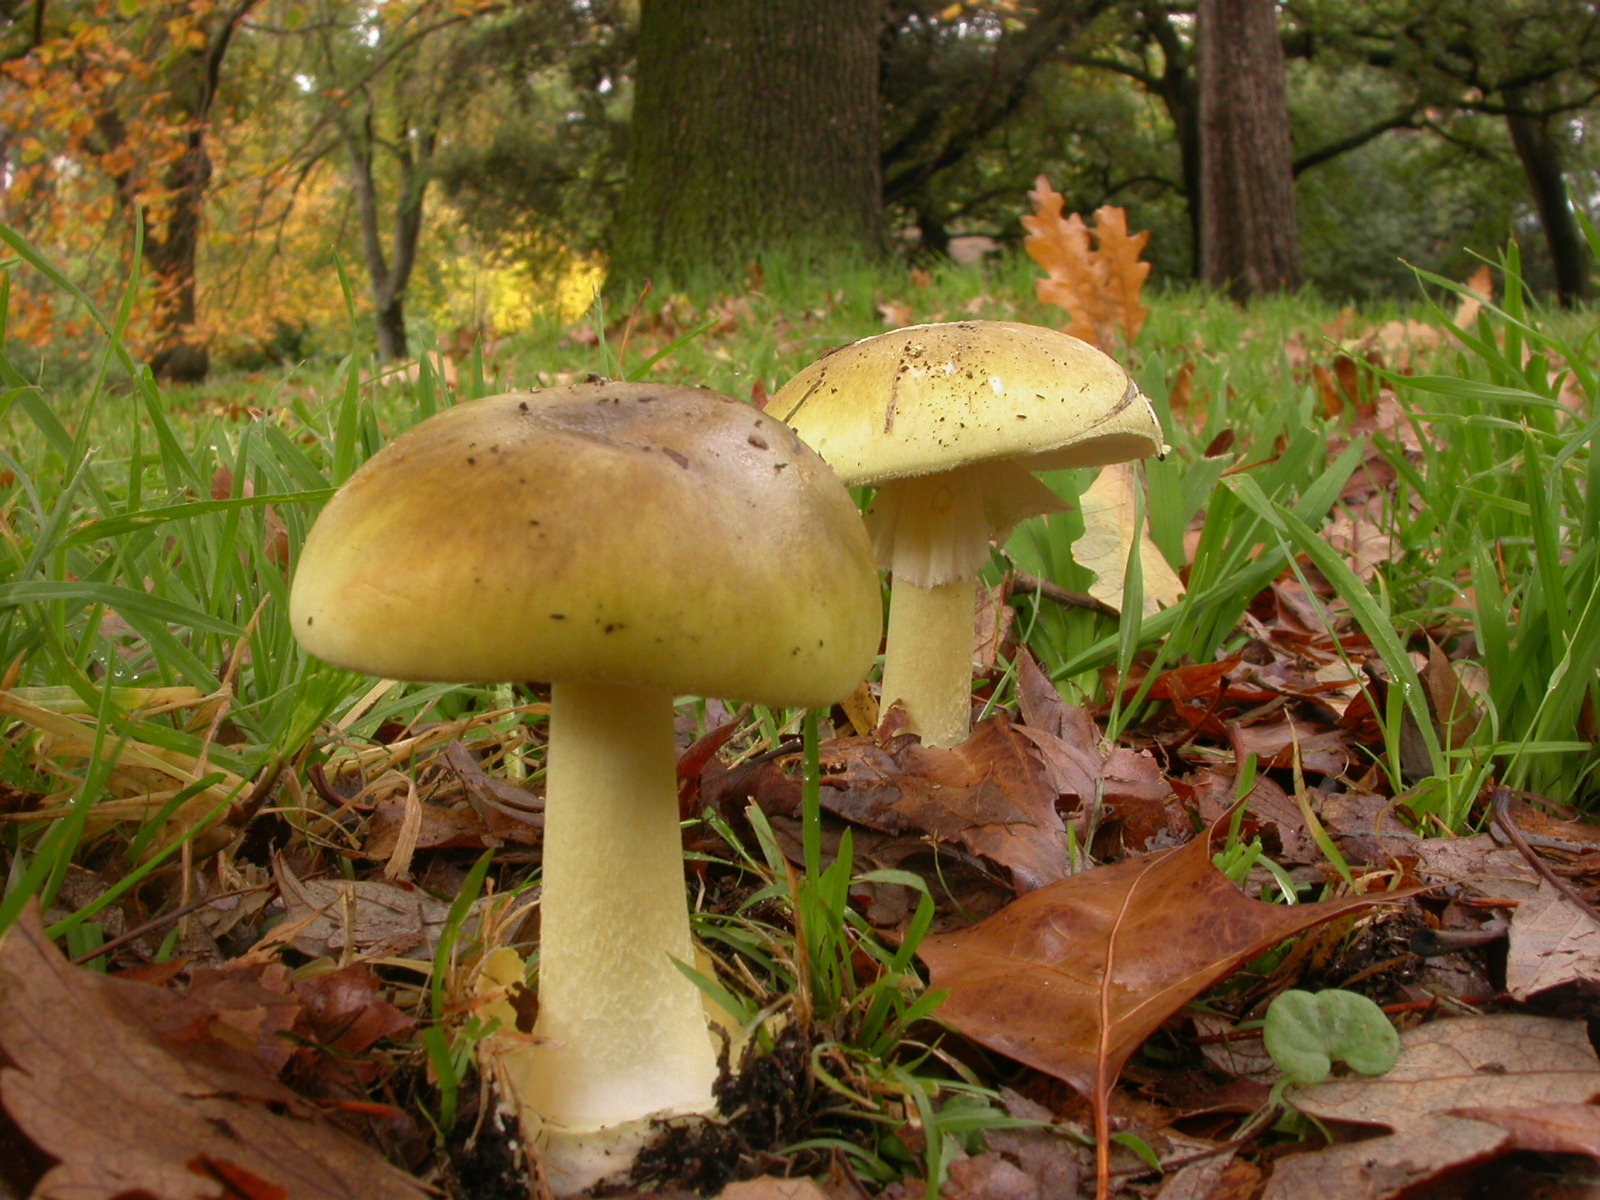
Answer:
(627, 543)
(949, 422)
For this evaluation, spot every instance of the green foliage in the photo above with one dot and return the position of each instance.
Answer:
(1306, 1033)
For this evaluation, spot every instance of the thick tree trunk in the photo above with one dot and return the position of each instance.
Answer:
(1249, 237)
(754, 135)
(1539, 147)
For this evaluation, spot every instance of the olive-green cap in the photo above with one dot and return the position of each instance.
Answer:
(619, 533)
(929, 398)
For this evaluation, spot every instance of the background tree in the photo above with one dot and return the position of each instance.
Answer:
(754, 135)
(392, 76)
(108, 111)
(1249, 236)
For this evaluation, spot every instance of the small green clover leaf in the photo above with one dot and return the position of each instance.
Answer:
(1307, 1033)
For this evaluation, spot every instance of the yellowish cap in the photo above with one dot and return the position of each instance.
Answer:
(614, 533)
(931, 398)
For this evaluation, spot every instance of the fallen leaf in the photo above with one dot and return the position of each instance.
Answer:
(1545, 1128)
(125, 1111)
(1552, 942)
(1108, 535)
(346, 1009)
(989, 795)
(1076, 280)
(1143, 937)
(768, 1187)
(1502, 1062)
(895, 314)
(248, 1005)
(328, 917)
(1481, 287)
(1126, 274)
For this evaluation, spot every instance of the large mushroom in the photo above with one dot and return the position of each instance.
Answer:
(626, 543)
(949, 422)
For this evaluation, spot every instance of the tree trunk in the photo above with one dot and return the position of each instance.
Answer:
(1180, 93)
(389, 274)
(754, 135)
(1249, 237)
(179, 356)
(1539, 147)
(172, 250)
(392, 330)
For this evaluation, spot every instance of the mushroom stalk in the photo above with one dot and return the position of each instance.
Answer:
(935, 687)
(933, 533)
(621, 1033)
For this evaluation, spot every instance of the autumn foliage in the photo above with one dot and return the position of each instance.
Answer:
(1099, 283)
(100, 138)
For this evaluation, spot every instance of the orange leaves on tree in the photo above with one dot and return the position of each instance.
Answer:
(1098, 284)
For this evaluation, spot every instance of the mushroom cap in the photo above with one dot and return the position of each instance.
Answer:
(928, 398)
(632, 534)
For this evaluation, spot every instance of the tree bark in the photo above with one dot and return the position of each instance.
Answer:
(754, 136)
(1180, 93)
(1539, 148)
(389, 274)
(178, 355)
(1250, 242)
(171, 249)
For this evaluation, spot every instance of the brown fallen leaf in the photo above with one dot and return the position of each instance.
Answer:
(1481, 287)
(1099, 287)
(1503, 1062)
(769, 1187)
(1545, 1128)
(123, 1111)
(327, 917)
(1552, 942)
(989, 795)
(1072, 978)
(1120, 251)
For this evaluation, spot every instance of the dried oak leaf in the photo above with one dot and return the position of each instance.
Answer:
(327, 917)
(1553, 942)
(1098, 287)
(1126, 274)
(990, 795)
(1446, 1071)
(1076, 279)
(124, 1111)
(1108, 509)
(1137, 939)
(1545, 1128)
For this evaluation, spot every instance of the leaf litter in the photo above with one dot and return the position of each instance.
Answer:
(131, 1095)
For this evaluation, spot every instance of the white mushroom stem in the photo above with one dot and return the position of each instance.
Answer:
(621, 1033)
(933, 532)
(934, 687)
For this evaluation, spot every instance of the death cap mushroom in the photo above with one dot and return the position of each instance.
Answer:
(949, 422)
